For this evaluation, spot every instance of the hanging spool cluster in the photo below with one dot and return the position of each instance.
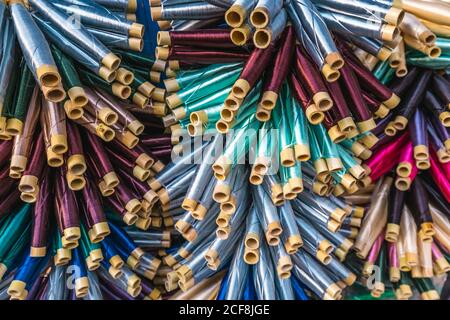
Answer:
(317, 118)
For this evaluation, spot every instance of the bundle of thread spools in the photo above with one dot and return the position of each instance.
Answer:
(310, 153)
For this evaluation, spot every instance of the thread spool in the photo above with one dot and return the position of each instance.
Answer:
(30, 197)
(136, 44)
(14, 126)
(107, 74)
(235, 16)
(54, 93)
(124, 76)
(330, 74)
(75, 182)
(111, 61)
(121, 91)
(53, 159)
(104, 132)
